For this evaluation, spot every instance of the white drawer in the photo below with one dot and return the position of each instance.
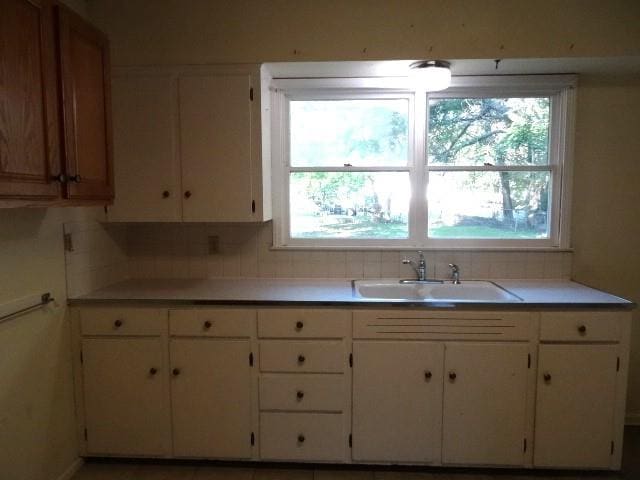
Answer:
(302, 357)
(123, 321)
(212, 322)
(303, 323)
(302, 436)
(581, 326)
(290, 392)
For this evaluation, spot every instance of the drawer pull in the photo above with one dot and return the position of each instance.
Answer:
(176, 372)
(582, 329)
(301, 359)
(300, 438)
(117, 323)
(452, 376)
(299, 325)
(547, 377)
(153, 371)
(428, 375)
(299, 394)
(207, 325)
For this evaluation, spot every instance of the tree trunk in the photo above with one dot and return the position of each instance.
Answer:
(507, 203)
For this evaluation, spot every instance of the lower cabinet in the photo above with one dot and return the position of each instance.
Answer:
(126, 408)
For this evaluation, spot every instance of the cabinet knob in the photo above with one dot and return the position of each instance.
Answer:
(299, 325)
(75, 178)
(582, 329)
(153, 371)
(207, 325)
(166, 194)
(187, 194)
(301, 359)
(176, 372)
(547, 377)
(428, 375)
(299, 394)
(452, 376)
(300, 438)
(61, 177)
(117, 323)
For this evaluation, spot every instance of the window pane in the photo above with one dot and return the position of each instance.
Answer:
(489, 204)
(363, 133)
(371, 205)
(498, 131)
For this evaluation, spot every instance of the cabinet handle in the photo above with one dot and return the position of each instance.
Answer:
(75, 178)
(153, 371)
(428, 375)
(176, 372)
(299, 325)
(300, 438)
(207, 325)
(301, 359)
(187, 194)
(61, 177)
(582, 329)
(547, 377)
(166, 194)
(117, 323)
(452, 376)
(300, 394)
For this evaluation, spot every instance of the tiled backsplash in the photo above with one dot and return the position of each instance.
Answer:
(107, 253)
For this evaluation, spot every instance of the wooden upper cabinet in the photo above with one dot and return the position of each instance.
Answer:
(86, 103)
(29, 147)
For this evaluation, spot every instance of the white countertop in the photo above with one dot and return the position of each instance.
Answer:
(540, 293)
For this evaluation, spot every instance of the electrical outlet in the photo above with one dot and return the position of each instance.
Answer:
(213, 243)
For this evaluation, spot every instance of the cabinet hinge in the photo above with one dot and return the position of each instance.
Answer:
(81, 357)
(68, 242)
(253, 438)
(350, 440)
(251, 94)
(86, 435)
(253, 206)
(528, 360)
(351, 360)
(251, 359)
(612, 447)
(618, 364)
(524, 449)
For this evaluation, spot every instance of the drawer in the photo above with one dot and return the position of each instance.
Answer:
(320, 393)
(123, 321)
(212, 322)
(580, 326)
(301, 357)
(302, 436)
(303, 323)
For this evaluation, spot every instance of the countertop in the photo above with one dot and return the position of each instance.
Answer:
(337, 292)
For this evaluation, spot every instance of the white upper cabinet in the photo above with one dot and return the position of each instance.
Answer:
(189, 144)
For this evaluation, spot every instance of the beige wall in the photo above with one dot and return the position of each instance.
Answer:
(606, 200)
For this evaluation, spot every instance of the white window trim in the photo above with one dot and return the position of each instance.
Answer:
(561, 89)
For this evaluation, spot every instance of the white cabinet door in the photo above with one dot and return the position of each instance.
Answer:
(125, 400)
(211, 398)
(397, 401)
(216, 147)
(484, 416)
(575, 405)
(147, 168)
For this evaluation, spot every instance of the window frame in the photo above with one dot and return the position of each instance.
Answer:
(559, 88)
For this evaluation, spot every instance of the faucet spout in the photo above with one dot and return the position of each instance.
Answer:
(420, 267)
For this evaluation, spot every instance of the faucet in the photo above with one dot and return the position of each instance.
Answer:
(455, 273)
(420, 268)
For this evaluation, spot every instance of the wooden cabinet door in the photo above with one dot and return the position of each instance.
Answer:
(216, 147)
(397, 401)
(86, 98)
(125, 400)
(29, 147)
(484, 414)
(575, 406)
(211, 398)
(146, 165)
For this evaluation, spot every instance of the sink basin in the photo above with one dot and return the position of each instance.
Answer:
(467, 291)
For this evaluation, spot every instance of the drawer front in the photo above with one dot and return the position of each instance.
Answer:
(319, 393)
(420, 325)
(581, 326)
(302, 323)
(302, 436)
(302, 357)
(210, 322)
(123, 321)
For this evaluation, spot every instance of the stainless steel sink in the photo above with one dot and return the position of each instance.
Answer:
(475, 291)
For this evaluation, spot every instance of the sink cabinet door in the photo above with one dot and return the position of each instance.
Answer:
(124, 394)
(485, 390)
(575, 405)
(211, 398)
(397, 401)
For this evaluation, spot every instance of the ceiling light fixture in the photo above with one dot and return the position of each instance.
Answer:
(430, 75)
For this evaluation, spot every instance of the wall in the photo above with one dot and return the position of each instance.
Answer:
(606, 200)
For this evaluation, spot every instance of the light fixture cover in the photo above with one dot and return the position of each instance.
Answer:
(430, 75)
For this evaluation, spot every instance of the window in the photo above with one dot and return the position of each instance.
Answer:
(359, 163)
